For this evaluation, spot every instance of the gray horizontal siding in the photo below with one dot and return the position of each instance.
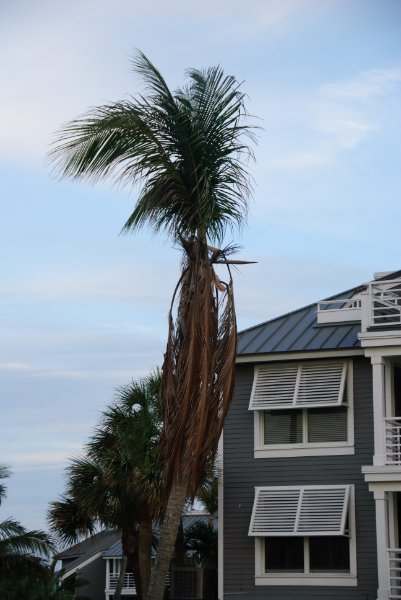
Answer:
(242, 473)
(95, 575)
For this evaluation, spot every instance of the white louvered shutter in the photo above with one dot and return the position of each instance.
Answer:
(274, 386)
(303, 385)
(300, 511)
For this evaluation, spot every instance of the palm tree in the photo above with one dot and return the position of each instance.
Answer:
(188, 150)
(19, 548)
(117, 483)
(21, 551)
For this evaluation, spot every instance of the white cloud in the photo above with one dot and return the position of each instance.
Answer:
(336, 118)
(364, 87)
(15, 366)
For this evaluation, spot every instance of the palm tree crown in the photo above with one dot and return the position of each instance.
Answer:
(186, 149)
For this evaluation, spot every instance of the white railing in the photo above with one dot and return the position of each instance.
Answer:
(337, 311)
(384, 303)
(394, 562)
(129, 582)
(392, 429)
(378, 306)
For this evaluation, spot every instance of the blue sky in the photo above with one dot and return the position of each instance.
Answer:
(82, 309)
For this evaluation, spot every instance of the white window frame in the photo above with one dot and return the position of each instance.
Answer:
(306, 578)
(262, 450)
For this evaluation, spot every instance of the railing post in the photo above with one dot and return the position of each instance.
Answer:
(366, 303)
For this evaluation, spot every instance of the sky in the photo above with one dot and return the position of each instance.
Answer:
(82, 308)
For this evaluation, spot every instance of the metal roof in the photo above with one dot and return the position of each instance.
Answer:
(115, 551)
(83, 551)
(298, 331)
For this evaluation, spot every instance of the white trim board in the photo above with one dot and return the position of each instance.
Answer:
(285, 356)
(81, 565)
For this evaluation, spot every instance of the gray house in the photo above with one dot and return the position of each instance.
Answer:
(93, 567)
(310, 502)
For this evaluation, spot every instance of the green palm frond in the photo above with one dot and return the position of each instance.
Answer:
(15, 539)
(188, 151)
(69, 522)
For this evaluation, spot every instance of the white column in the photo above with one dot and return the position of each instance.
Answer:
(383, 592)
(378, 409)
(107, 576)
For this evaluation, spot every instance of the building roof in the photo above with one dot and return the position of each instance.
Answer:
(299, 331)
(87, 550)
(189, 519)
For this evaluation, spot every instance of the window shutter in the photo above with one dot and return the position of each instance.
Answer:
(274, 386)
(321, 384)
(303, 385)
(300, 511)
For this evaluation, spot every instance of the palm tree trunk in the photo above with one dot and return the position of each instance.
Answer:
(168, 535)
(130, 549)
(120, 582)
(145, 553)
(179, 547)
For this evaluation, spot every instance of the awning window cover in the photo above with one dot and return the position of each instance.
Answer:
(300, 511)
(298, 385)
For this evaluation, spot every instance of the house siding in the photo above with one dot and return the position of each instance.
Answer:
(242, 473)
(95, 574)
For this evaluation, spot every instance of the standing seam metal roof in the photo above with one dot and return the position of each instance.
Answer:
(299, 331)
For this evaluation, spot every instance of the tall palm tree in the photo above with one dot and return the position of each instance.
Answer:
(117, 483)
(188, 150)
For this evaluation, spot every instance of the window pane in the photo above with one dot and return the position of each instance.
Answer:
(329, 554)
(283, 427)
(284, 554)
(327, 424)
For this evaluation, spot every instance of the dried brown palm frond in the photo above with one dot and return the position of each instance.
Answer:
(198, 365)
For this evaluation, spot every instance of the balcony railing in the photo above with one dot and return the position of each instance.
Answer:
(339, 311)
(377, 307)
(395, 573)
(384, 303)
(129, 582)
(393, 441)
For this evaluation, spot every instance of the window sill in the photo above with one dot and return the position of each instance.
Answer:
(315, 580)
(284, 451)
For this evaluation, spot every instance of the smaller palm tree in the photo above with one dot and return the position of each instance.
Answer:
(201, 541)
(22, 552)
(117, 483)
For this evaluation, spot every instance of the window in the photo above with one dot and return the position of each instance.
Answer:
(304, 535)
(303, 408)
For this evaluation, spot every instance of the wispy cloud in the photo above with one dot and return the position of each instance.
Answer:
(338, 117)
(364, 87)
(15, 366)
(44, 459)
